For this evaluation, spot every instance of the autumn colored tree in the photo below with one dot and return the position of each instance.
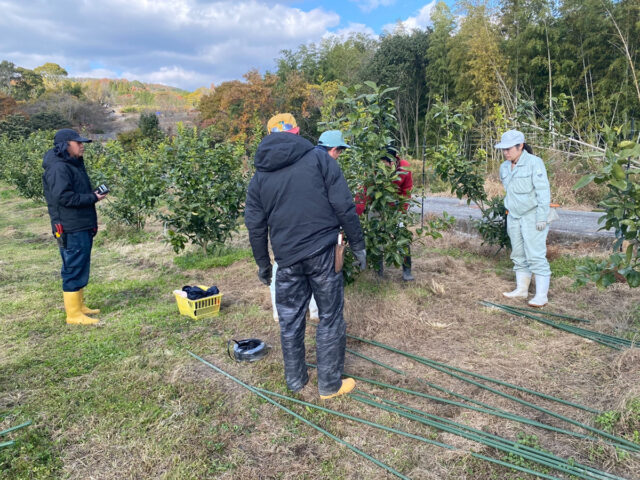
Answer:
(7, 105)
(233, 108)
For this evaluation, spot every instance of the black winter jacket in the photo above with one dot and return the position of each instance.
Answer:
(67, 188)
(300, 197)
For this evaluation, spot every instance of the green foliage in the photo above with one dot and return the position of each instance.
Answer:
(18, 126)
(21, 162)
(15, 127)
(206, 189)
(449, 156)
(566, 265)
(401, 61)
(620, 172)
(527, 441)
(625, 422)
(49, 121)
(27, 85)
(149, 126)
(135, 180)
(130, 140)
(493, 225)
(33, 456)
(7, 75)
(368, 121)
(130, 109)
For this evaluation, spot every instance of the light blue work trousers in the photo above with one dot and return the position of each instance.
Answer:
(528, 245)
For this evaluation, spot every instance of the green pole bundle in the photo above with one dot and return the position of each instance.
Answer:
(299, 417)
(406, 434)
(551, 314)
(602, 338)
(620, 442)
(448, 369)
(542, 458)
(484, 408)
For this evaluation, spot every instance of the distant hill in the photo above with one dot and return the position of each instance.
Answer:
(136, 96)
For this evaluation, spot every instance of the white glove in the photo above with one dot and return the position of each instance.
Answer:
(541, 226)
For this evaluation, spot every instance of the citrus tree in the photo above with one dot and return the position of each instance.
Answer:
(135, 179)
(367, 119)
(206, 188)
(620, 172)
(21, 161)
(464, 172)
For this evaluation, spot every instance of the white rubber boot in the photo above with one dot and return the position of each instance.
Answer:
(542, 289)
(272, 288)
(313, 310)
(523, 279)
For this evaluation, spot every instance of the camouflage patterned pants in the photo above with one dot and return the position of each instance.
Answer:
(294, 286)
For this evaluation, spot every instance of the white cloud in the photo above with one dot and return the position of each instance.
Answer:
(353, 28)
(169, 76)
(370, 5)
(420, 21)
(186, 43)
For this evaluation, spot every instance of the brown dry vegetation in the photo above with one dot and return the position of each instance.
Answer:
(203, 425)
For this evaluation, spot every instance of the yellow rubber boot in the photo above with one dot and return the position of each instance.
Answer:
(348, 384)
(73, 306)
(86, 310)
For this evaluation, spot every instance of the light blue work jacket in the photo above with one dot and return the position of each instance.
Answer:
(527, 187)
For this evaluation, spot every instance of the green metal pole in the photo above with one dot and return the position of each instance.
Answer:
(301, 418)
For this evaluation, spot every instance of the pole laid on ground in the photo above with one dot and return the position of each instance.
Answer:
(301, 418)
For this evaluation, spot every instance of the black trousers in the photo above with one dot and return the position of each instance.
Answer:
(294, 286)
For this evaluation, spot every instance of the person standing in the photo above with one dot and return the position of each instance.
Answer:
(405, 185)
(333, 143)
(74, 222)
(299, 199)
(528, 193)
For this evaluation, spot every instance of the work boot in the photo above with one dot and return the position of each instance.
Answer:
(406, 274)
(542, 289)
(73, 306)
(523, 279)
(84, 309)
(348, 384)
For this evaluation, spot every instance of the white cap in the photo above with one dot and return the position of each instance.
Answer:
(510, 138)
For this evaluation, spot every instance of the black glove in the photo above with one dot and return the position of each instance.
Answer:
(264, 274)
(361, 256)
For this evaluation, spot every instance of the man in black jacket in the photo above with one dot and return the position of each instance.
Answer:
(71, 203)
(299, 198)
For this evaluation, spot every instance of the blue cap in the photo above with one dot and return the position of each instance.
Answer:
(510, 138)
(332, 139)
(69, 135)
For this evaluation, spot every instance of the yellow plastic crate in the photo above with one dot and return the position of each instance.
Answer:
(201, 308)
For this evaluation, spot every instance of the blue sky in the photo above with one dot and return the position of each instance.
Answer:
(184, 43)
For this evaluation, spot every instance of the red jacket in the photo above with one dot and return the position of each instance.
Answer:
(404, 183)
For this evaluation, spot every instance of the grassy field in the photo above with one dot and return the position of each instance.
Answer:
(125, 400)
